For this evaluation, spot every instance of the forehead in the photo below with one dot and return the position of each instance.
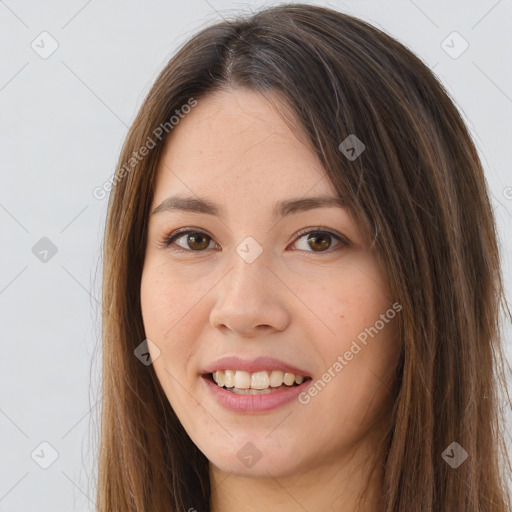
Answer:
(234, 142)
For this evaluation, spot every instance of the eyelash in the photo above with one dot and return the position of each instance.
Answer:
(170, 239)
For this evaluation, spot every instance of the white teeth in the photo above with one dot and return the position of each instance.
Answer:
(276, 379)
(263, 380)
(229, 378)
(289, 378)
(260, 380)
(242, 380)
(218, 377)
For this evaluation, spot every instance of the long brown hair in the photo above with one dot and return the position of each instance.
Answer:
(417, 190)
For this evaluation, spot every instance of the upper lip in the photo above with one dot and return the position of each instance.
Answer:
(254, 365)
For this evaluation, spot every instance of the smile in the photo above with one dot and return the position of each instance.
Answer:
(245, 382)
(261, 391)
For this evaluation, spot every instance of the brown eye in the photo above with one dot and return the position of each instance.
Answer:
(319, 241)
(189, 241)
(198, 241)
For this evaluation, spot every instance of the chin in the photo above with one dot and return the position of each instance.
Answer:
(255, 458)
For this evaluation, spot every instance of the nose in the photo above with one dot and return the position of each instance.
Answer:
(250, 300)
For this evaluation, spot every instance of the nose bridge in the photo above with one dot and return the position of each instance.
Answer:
(249, 271)
(246, 296)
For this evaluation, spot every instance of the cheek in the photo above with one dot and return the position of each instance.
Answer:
(360, 353)
(356, 384)
(170, 310)
(348, 298)
(170, 322)
(166, 297)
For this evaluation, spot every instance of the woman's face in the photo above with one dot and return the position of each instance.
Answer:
(245, 284)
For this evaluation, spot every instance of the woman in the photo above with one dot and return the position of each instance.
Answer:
(301, 283)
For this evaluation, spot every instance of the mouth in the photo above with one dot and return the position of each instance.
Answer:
(259, 385)
(243, 392)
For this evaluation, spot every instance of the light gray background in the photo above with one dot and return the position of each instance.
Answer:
(63, 120)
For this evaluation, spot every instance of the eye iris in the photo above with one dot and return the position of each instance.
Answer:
(324, 242)
(193, 238)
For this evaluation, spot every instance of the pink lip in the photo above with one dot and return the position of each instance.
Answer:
(253, 403)
(256, 365)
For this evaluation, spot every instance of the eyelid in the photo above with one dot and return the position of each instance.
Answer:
(342, 240)
(171, 238)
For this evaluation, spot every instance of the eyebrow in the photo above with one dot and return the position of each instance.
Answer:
(281, 209)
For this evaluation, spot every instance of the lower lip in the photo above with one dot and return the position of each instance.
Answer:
(254, 403)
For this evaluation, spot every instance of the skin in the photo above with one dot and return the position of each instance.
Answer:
(235, 150)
